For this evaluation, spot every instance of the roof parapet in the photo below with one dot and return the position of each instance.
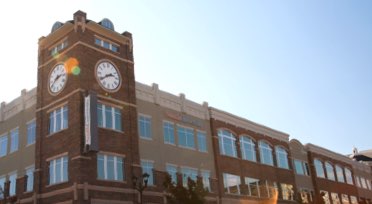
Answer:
(25, 101)
(247, 124)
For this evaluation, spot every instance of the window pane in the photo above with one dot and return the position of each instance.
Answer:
(231, 183)
(108, 117)
(182, 136)
(65, 117)
(190, 138)
(14, 140)
(106, 45)
(202, 142)
(205, 176)
(248, 148)
(51, 122)
(172, 171)
(58, 170)
(3, 145)
(58, 117)
(117, 119)
(168, 131)
(227, 143)
(330, 171)
(319, 168)
(147, 167)
(51, 172)
(97, 41)
(100, 166)
(30, 179)
(100, 115)
(31, 133)
(266, 153)
(12, 187)
(110, 168)
(298, 167)
(114, 48)
(119, 167)
(65, 169)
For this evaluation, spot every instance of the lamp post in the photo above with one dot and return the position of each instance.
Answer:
(140, 184)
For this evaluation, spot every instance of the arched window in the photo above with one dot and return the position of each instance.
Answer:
(281, 157)
(227, 143)
(266, 154)
(56, 25)
(349, 176)
(247, 147)
(330, 171)
(319, 168)
(107, 24)
(340, 174)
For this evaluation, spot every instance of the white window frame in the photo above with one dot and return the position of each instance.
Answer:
(186, 131)
(265, 149)
(317, 170)
(113, 118)
(4, 139)
(256, 181)
(145, 163)
(14, 140)
(246, 141)
(340, 174)
(105, 168)
(166, 138)
(13, 184)
(2, 184)
(172, 172)
(330, 170)
(53, 163)
(348, 176)
(335, 198)
(31, 124)
(226, 179)
(231, 137)
(53, 114)
(281, 153)
(202, 136)
(193, 173)
(147, 120)
(111, 44)
(29, 187)
(206, 181)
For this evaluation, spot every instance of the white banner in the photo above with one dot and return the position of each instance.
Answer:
(87, 120)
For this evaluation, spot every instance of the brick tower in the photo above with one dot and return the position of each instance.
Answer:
(87, 144)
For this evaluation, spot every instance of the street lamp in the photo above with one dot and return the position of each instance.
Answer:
(140, 184)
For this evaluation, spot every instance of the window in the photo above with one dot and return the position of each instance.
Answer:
(172, 171)
(58, 170)
(335, 198)
(2, 185)
(325, 196)
(247, 147)
(205, 176)
(30, 179)
(110, 167)
(202, 141)
(306, 196)
(188, 173)
(319, 168)
(106, 44)
(330, 171)
(31, 132)
(14, 137)
(301, 167)
(3, 145)
(281, 157)
(353, 200)
(349, 176)
(287, 191)
(54, 51)
(109, 117)
(227, 143)
(357, 181)
(363, 182)
(144, 124)
(186, 137)
(345, 199)
(168, 131)
(147, 167)
(231, 183)
(58, 119)
(253, 188)
(266, 155)
(340, 174)
(13, 183)
(107, 24)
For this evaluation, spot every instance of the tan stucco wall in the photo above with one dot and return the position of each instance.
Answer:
(25, 155)
(161, 153)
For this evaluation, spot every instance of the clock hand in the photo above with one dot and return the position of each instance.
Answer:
(58, 76)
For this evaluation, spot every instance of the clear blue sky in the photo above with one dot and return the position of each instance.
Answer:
(301, 67)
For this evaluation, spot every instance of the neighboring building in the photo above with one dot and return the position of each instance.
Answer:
(332, 176)
(252, 161)
(301, 168)
(88, 128)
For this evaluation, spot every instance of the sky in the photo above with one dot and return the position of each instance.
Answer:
(300, 67)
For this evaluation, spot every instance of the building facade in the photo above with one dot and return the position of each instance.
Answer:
(88, 128)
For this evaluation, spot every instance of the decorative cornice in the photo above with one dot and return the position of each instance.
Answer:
(247, 124)
(328, 153)
(179, 103)
(25, 101)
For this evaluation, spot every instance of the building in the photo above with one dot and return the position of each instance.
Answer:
(88, 128)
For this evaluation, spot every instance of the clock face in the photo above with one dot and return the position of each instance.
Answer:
(108, 76)
(57, 79)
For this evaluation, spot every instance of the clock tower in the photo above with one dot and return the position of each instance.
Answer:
(86, 116)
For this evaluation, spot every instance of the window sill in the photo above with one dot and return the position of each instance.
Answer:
(30, 144)
(12, 152)
(146, 138)
(55, 184)
(115, 181)
(172, 144)
(53, 133)
(105, 128)
(189, 148)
